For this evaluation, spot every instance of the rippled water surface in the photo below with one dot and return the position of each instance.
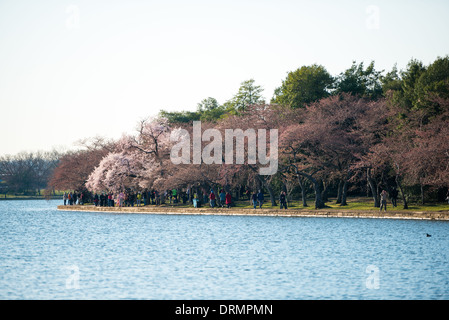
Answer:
(47, 254)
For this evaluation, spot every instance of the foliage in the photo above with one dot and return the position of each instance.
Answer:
(359, 81)
(303, 86)
(359, 130)
(27, 172)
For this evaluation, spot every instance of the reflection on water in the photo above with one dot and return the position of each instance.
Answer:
(47, 254)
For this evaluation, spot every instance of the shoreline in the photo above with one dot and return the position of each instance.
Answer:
(30, 198)
(322, 213)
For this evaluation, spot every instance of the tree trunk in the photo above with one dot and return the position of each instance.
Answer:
(340, 191)
(345, 189)
(272, 196)
(324, 192)
(303, 191)
(190, 189)
(344, 194)
(398, 183)
(319, 204)
(422, 194)
(373, 188)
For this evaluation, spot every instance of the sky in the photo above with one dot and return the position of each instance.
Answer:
(77, 69)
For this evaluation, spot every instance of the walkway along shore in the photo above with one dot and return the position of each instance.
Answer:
(325, 213)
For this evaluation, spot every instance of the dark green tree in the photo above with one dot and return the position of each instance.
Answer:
(303, 86)
(210, 110)
(433, 83)
(360, 81)
(391, 81)
(406, 98)
(249, 93)
(180, 116)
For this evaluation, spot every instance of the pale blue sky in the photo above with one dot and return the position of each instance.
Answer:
(76, 69)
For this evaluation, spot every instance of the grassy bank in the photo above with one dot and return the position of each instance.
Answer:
(352, 204)
(21, 197)
(361, 205)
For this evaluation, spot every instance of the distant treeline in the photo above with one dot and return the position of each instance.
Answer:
(27, 173)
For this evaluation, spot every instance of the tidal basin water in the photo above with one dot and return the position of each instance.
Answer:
(48, 254)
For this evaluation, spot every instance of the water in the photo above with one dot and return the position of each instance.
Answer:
(47, 254)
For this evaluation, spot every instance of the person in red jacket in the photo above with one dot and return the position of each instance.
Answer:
(228, 200)
(212, 199)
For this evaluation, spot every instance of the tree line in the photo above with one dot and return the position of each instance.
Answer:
(27, 173)
(359, 132)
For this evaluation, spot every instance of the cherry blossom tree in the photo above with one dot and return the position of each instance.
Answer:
(75, 167)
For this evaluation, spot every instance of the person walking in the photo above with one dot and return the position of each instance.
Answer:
(254, 200)
(212, 199)
(121, 198)
(283, 200)
(383, 200)
(228, 200)
(222, 197)
(139, 199)
(110, 199)
(196, 200)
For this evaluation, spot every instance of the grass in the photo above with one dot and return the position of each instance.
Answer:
(367, 204)
(353, 204)
(25, 197)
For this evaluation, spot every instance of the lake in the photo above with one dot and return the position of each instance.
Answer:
(51, 254)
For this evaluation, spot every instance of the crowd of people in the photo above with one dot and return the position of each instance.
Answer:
(127, 198)
(130, 198)
(73, 198)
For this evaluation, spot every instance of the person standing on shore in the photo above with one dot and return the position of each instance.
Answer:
(138, 199)
(64, 197)
(447, 196)
(110, 199)
(121, 197)
(212, 199)
(228, 199)
(383, 200)
(283, 200)
(254, 200)
(222, 196)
